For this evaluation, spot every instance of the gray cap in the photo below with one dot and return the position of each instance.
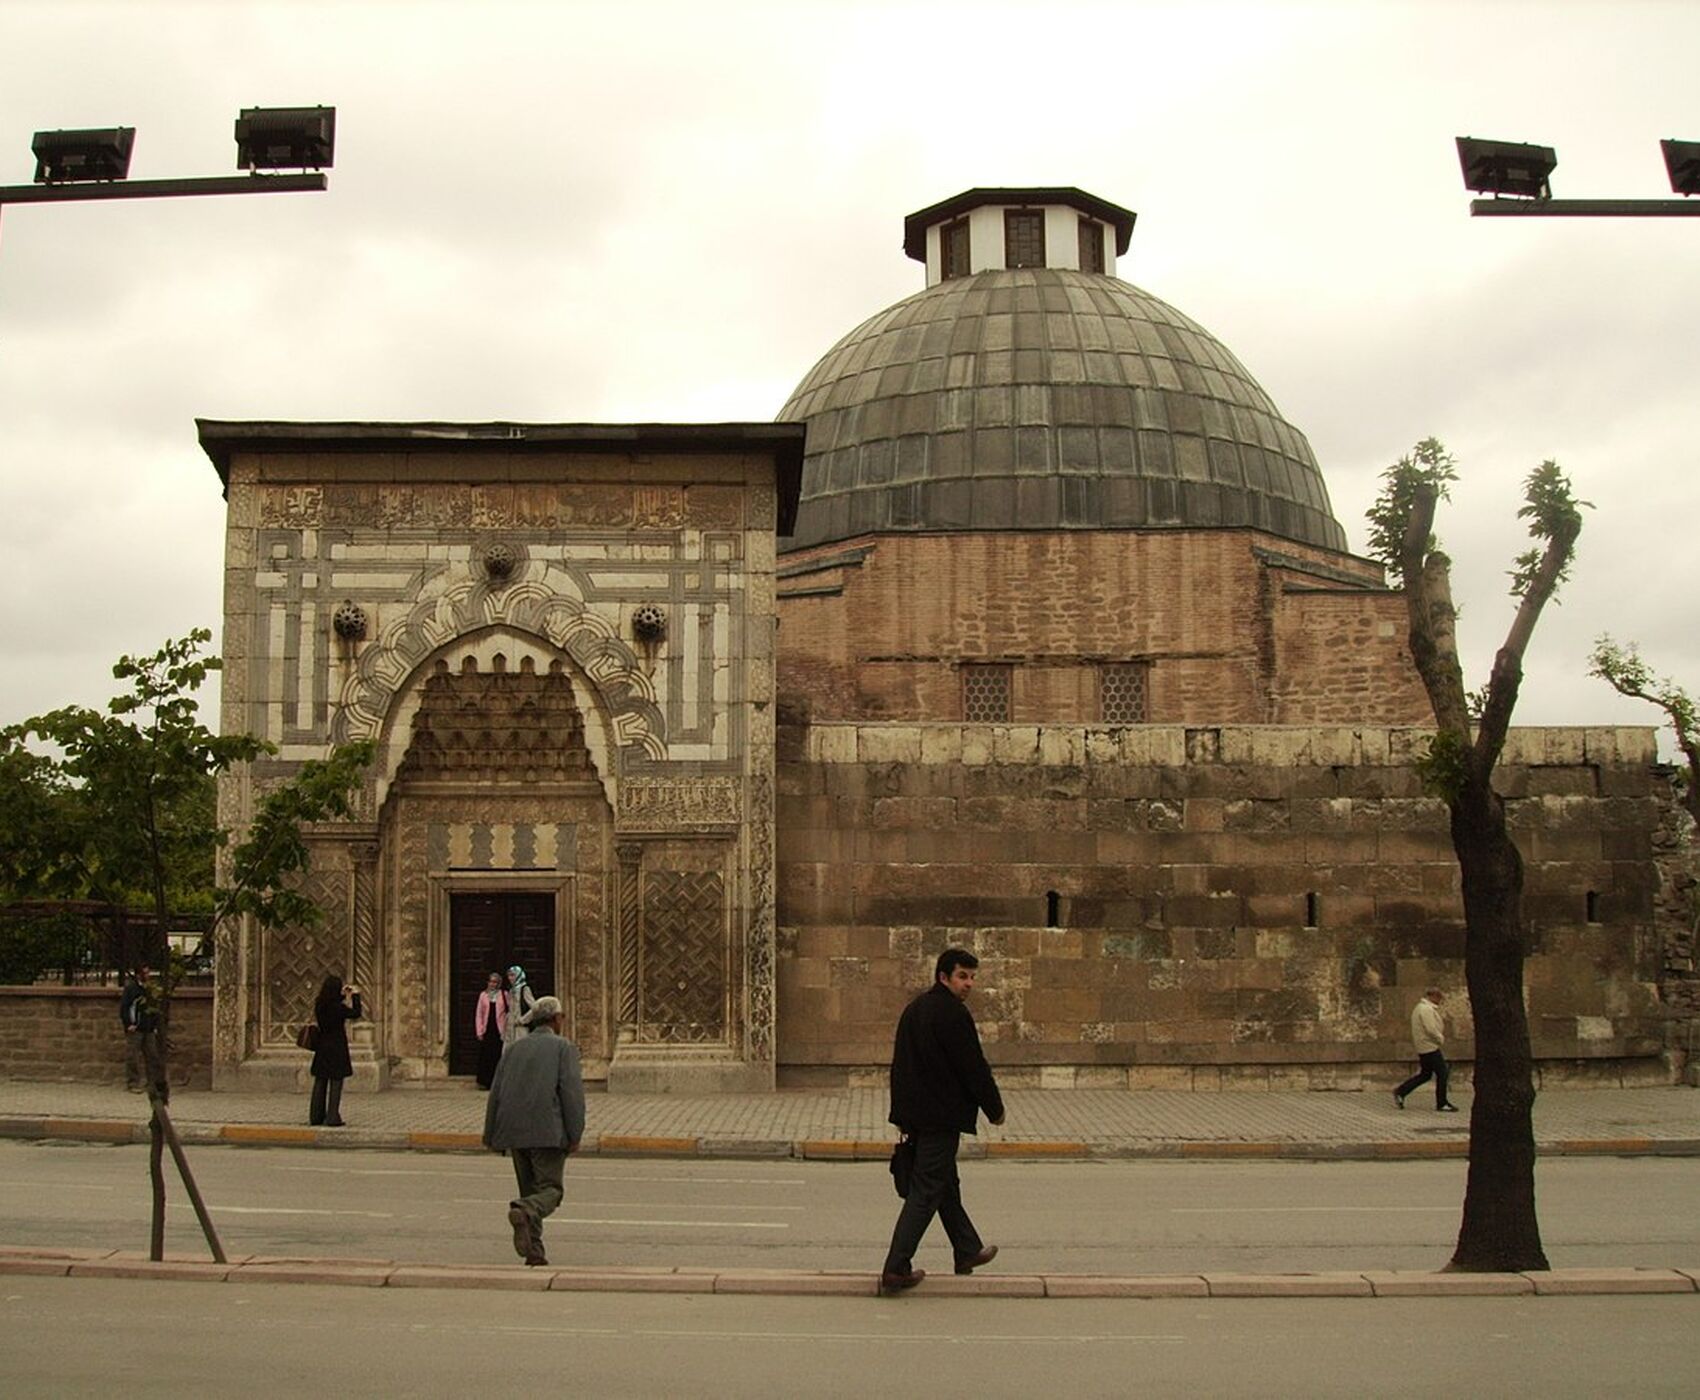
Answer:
(544, 1009)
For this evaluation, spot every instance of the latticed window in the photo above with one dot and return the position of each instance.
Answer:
(1023, 238)
(953, 250)
(1091, 246)
(1121, 692)
(986, 694)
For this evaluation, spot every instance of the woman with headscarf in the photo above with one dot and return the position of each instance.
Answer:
(520, 1001)
(491, 1023)
(338, 1004)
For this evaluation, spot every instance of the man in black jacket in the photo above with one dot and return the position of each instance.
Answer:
(939, 1082)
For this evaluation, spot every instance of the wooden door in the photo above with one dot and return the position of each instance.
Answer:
(489, 933)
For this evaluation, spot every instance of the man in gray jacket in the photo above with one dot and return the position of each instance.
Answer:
(536, 1112)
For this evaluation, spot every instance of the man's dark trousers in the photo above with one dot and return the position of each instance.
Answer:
(539, 1171)
(1433, 1064)
(935, 1189)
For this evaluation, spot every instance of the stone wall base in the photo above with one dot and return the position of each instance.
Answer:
(290, 1071)
(662, 1072)
(1348, 1078)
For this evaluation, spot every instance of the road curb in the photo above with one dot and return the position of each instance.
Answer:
(33, 1128)
(16, 1260)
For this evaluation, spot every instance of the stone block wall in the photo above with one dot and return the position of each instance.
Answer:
(1215, 906)
(72, 1033)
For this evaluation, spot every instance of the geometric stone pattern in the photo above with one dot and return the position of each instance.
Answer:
(1042, 399)
(298, 958)
(683, 958)
(1149, 900)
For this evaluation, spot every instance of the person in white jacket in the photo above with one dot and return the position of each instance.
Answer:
(1428, 1035)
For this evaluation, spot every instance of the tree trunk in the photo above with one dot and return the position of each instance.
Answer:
(1500, 1232)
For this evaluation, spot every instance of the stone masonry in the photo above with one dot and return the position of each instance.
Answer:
(1260, 905)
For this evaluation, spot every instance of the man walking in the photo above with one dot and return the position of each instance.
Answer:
(1428, 1034)
(939, 1082)
(536, 1112)
(135, 1014)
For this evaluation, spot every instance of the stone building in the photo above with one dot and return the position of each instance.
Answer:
(1076, 671)
(560, 639)
(1073, 667)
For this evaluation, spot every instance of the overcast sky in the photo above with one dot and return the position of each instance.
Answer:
(581, 212)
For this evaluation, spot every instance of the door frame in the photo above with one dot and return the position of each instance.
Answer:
(561, 884)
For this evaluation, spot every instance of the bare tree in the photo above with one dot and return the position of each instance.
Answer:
(1500, 1230)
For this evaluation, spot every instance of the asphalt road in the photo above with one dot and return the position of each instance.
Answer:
(1084, 1217)
(98, 1337)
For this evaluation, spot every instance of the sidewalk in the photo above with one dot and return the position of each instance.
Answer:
(383, 1273)
(850, 1123)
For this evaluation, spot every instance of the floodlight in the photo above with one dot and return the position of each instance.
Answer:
(1682, 159)
(1506, 167)
(65, 156)
(285, 138)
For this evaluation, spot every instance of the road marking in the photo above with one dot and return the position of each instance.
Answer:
(630, 1205)
(282, 1210)
(674, 1224)
(60, 1185)
(573, 1174)
(1307, 1210)
(924, 1339)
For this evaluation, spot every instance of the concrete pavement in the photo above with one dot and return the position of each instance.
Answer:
(850, 1123)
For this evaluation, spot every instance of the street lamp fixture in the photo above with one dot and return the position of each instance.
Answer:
(295, 142)
(1517, 176)
(1682, 160)
(285, 138)
(62, 157)
(1506, 168)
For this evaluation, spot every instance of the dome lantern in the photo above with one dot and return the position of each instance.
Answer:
(982, 229)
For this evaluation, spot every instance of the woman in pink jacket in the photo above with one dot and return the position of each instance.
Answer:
(492, 1025)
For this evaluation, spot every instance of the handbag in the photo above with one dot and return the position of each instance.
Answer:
(903, 1165)
(307, 1038)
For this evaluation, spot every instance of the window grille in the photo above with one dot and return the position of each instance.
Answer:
(1122, 692)
(1024, 238)
(986, 694)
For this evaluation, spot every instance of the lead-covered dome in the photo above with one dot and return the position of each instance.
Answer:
(1045, 398)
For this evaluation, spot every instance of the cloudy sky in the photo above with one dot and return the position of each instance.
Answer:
(571, 212)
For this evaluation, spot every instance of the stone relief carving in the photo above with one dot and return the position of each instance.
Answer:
(676, 804)
(683, 965)
(623, 690)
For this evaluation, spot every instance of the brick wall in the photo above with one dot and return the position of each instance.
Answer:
(1256, 905)
(1234, 631)
(72, 1033)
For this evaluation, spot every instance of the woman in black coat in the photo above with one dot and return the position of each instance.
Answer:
(338, 1004)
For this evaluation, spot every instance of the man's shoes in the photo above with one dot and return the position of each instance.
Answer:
(974, 1261)
(892, 1282)
(537, 1257)
(1446, 1108)
(1398, 1099)
(526, 1243)
(335, 1123)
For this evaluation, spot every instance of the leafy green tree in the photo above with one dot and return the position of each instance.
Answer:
(1500, 1230)
(1622, 668)
(124, 804)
